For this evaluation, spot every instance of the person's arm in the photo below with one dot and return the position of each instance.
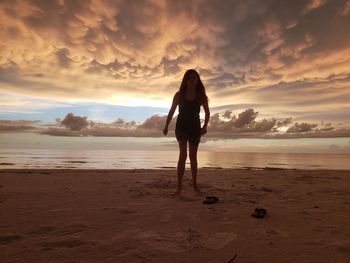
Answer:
(207, 116)
(171, 112)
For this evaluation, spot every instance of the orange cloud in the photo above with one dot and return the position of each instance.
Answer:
(133, 53)
(313, 4)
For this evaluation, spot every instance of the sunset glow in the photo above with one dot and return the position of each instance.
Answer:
(282, 58)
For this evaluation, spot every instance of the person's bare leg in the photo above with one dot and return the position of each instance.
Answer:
(181, 164)
(194, 165)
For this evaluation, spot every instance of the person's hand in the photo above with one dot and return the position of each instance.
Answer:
(165, 131)
(203, 130)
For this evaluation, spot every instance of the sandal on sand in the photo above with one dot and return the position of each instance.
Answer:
(210, 200)
(259, 213)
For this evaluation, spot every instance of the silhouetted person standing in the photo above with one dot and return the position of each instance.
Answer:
(190, 97)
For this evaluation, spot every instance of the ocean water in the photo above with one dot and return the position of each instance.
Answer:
(29, 150)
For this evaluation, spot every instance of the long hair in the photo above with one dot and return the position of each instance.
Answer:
(200, 90)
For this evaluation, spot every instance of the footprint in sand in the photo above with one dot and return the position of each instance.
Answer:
(185, 240)
(340, 246)
(45, 230)
(138, 192)
(5, 239)
(331, 229)
(61, 237)
(58, 231)
(275, 231)
(66, 243)
(161, 184)
(166, 216)
(217, 240)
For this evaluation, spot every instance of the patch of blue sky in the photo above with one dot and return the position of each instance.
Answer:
(30, 108)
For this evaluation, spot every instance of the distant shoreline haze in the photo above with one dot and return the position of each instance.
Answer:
(221, 125)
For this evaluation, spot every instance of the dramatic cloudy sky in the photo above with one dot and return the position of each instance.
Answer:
(109, 59)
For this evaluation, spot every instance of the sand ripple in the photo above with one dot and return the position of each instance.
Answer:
(185, 240)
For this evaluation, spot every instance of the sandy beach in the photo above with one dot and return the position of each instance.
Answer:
(131, 216)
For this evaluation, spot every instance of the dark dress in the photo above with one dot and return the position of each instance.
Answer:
(188, 125)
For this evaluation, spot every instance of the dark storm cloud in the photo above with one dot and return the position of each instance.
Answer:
(285, 122)
(281, 55)
(221, 125)
(302, 127)
(63, 57)
(74, 123)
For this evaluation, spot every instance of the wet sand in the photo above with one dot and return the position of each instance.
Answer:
(131, 216)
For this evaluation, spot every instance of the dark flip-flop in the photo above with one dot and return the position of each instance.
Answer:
(210, 200)
(259, 213)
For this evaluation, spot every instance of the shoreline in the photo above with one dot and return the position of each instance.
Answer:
(249, 168)
(71, 215)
